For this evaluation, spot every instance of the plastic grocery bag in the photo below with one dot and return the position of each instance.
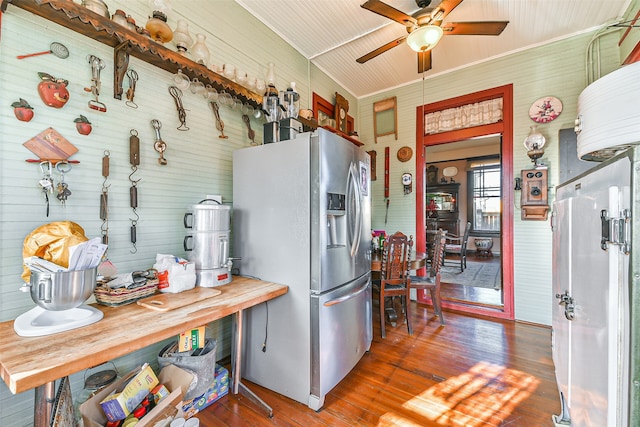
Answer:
(174, 274)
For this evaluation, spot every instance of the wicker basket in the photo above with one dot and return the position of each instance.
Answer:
(122, 296)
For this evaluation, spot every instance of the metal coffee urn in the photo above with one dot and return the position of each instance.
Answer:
(209, 223)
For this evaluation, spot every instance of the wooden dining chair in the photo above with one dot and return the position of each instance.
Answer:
(457, 245)
(432, 282)
(394, 277)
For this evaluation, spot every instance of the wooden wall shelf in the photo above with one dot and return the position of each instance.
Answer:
(322, 107)
(81, 20)
(344, 135)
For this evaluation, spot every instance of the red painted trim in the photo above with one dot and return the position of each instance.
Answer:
(634, 56)
(386, 173)
(626, 32)
(505, 127)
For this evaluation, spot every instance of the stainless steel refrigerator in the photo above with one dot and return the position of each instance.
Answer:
(302, 219)
(596, 271)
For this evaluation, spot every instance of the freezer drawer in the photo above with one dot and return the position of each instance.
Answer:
(342, 332)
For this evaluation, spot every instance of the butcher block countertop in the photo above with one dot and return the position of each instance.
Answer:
(26, 363)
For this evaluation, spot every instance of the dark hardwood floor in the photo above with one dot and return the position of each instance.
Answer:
(471, 372)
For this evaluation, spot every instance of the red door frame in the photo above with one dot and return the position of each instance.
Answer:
(505, 127)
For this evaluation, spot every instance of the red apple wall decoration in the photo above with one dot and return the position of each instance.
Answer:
(83, 125)
(22, 110)
(53, 91)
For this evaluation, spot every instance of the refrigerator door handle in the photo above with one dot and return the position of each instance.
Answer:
(347, 297)
(353, 190)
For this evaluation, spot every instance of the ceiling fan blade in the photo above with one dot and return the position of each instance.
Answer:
(376, 6)
(424, 61)
(485, 28)
(380, 50)
(446, 6)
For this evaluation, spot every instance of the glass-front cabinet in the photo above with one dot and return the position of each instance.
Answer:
(442, 208)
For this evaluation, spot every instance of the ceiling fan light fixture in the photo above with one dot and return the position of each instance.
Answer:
(424, 38)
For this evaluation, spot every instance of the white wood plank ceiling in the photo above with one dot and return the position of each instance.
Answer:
(333, 33)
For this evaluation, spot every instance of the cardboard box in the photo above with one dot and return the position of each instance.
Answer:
(219, 388)
(175, 379)
(191, 339)
(118, 405)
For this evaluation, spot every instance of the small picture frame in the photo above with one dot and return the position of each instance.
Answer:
(364, 178)
(432, 175)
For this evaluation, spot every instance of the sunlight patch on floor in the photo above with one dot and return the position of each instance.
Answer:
(484, 395)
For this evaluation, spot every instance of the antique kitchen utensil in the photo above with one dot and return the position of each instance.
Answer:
(134, 159)
(250, 132)
(106, 267)
(104, 199)
(182, 115)
(219, 122)
(57, 49)
(97, 65)
(159, 145)
(132, 75)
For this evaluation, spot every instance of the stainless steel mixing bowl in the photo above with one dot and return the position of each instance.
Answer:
(62, 291)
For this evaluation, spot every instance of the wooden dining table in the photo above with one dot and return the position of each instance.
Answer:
(418, 261)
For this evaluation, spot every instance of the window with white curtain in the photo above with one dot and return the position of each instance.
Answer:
(484, 196)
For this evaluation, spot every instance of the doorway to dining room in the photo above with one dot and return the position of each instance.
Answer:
(464, 167)
(468, 191)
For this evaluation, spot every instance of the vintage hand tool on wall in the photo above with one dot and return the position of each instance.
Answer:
(132, 75)
(250, 132)
(134, 159)
(97, 65)
(219, 122)
(182, 115)
(104, 199)
(159, 145)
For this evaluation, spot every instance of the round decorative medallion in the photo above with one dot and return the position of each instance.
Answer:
(405, 153)
(545, 109)
(450, 171)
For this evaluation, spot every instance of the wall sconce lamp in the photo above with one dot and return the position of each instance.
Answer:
(534, 143)
(534, 198)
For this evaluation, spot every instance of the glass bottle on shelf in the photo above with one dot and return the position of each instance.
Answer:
(200, 51)
(181, 37)
(271, 74)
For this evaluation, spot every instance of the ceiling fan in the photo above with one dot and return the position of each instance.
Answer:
(425, 28)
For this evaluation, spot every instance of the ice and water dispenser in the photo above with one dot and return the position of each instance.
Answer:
(336, 221)
(209, 225)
